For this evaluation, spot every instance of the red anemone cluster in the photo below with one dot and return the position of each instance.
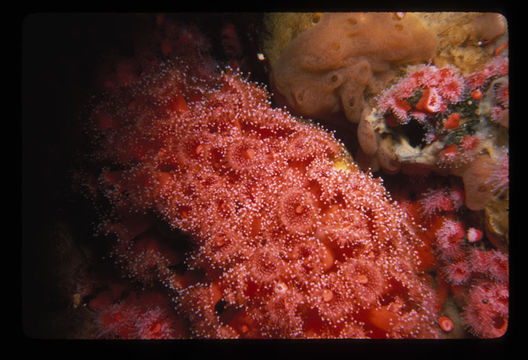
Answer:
(284, 244)
(470, 269)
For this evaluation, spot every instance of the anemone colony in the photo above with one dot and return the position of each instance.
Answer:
(271, 229)
(291, 245)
